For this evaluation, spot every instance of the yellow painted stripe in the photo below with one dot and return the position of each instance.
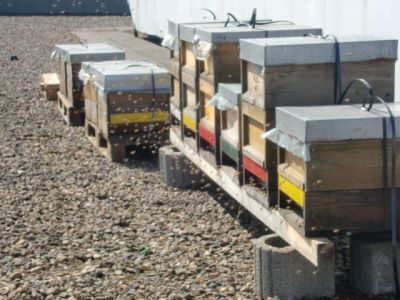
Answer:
(291, 190)
(189, 122)
(158, 116)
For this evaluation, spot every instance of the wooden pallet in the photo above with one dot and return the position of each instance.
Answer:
(121, 147)
(50, 85)
(71, 115)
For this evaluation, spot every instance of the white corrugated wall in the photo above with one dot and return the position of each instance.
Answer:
(372, 17)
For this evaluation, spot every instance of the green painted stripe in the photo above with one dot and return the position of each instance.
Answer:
(229, 149)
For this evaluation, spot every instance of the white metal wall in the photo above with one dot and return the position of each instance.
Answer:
(372, 17)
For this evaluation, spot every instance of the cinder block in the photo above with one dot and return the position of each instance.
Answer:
(284, 273)
(177, 171)
(371, 270)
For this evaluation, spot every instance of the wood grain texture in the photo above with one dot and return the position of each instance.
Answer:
(314, 84)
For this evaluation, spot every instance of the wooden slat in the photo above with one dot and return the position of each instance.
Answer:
(291, 190)
(206, 85)
(175, 93)
(255, 130)
(175, 68)
(344, 166)
(224, 62)
(356, 210)
(314, 84)
(188, 56)
(190, 96)
(189, 121)
(144, 117)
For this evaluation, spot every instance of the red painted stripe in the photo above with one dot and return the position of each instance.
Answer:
(207, 135)
(255, 169)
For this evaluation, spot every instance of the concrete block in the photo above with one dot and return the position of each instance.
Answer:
(371, 270)
(177, 171)
(283, 272)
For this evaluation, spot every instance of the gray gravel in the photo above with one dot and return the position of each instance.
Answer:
(74, 226)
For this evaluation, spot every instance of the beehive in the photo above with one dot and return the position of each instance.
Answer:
(190, 72)
(129, 99)
(70, 58)
(300, 71)
(172, 41)
(331, 165)
(222, 65)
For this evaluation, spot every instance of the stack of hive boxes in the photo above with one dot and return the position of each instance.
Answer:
(300, 71)
(210, 55)
(173, 42)
(331, 165)
(126, 105)
(70, 56)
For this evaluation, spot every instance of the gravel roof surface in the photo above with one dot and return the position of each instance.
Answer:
(73, 225)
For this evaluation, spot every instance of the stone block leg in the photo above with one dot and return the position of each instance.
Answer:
(177, 171)
(371, 270)
(284, 273)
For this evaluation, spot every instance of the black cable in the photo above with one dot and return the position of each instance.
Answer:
(210, 11)
(338, 66)
(233, 17)
(393, 200)
(253, 19)
(393, 194)
(274, 22)
(360, 80)
(236, 20)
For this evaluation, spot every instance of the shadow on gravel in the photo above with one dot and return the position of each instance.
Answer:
(236, 211)
(143, 159)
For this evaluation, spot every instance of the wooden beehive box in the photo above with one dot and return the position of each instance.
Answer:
(172, 41)
(331, 166)
(222, 65)
(190, 72)
(129, 99)
(70, 58)
(300, 71)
